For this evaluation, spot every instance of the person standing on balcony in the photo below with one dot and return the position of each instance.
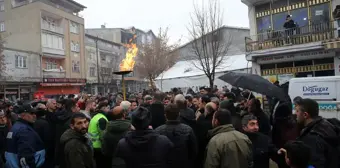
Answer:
(289, 25)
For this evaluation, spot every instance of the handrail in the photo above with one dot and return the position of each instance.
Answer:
(298, 35)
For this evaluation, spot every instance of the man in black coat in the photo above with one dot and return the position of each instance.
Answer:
(143, 147)
(319, 134)
(157, 111)
(182, 136)
(263, 148)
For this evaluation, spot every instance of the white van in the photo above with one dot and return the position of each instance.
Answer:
(325, 90)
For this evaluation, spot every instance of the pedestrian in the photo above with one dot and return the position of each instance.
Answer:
(76, 145)
(143, 147)
(116, 129)
(227, 147)
(97, 126)
(3, 134)
(315, 133)
(297, 154)
(156, 109)
(182, 136)
(24, 146)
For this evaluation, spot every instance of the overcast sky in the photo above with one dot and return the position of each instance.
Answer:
(152, 14)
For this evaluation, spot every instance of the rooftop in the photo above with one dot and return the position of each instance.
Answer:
(186, 68)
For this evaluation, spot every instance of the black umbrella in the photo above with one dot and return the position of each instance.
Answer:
(253, 83)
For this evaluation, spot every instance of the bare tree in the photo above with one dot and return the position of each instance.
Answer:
(210, 44)
(154, 57)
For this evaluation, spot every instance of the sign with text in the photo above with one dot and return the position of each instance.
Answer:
(64, 80)
(295, 57)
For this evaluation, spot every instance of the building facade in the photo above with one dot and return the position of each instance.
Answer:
(122, 36)
(309, 48)
(54, 31)
(103, 58)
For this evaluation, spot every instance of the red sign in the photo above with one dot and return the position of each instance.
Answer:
(64, 80)
(62, 84)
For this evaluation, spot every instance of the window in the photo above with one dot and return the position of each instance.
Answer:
(92, 71)
(263, 24)
(74, 27)
(2, 5)
(52, 41)
(320, 13)
(51, 64)
(279, 20)
(75, 46)
(102, 57)
(75, 66)
(2, 26)
(20, 61)
(300, 17)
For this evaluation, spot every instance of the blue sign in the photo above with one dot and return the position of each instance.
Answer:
(314, 90)
(326, 107)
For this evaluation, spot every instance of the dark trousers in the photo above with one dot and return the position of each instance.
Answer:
(101, 160)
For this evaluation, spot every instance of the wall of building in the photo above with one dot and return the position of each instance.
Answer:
(110, 34)
(31, 73)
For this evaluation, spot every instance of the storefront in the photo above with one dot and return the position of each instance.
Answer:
(307, 64)
(15, 91)
(54, 87)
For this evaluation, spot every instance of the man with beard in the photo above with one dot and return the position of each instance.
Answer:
(24, 146)
(77, 150)
(89, 109)
(318, 134)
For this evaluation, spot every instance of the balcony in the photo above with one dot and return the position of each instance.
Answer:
(52, 52)
(54, 29)
(304, 37)
(54, 74)
(255, 2)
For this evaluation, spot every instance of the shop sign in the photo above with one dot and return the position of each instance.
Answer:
(62, 84)
(295, 57)
(64, 80)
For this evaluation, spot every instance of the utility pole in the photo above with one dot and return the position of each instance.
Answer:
(97, 60)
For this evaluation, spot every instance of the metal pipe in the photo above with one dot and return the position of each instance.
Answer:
(123, 87)
(97, 61)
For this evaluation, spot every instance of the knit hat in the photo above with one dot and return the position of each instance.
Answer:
(141, 118)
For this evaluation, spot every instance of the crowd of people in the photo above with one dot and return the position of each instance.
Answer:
(211, 129)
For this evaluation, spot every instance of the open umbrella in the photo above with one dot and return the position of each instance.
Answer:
(254, 83)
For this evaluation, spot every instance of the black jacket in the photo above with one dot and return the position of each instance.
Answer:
(316, 135)
(187, 116)
(42, 127)
(157, 112)
(115, 131)
(203, 126)
(3, 134)
(263, 149)
(185, 144)
(77, 150)
(144, 149)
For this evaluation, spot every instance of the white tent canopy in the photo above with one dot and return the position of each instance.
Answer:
(184, 74)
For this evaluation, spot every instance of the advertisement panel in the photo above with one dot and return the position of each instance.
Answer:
(317, 90)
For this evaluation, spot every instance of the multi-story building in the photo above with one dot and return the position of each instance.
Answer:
(52, 34)
(307, 48)
(119, 35)
(103, 58)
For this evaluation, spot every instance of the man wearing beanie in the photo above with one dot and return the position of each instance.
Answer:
(143, 147)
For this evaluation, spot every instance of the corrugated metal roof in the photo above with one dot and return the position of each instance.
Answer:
(186, 68)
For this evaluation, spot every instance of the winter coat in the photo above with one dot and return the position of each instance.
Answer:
(203, 126)
(115, 131)
(3, 134)
(62, 124)
(185, 143)
(24, 146)
(144, 149)
(77, 150)
(187, 116)
(315, 135)
(263, 149)
(157, 112)
(228, 148)
(42, 127)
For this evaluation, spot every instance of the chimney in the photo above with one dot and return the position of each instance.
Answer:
(102, 26)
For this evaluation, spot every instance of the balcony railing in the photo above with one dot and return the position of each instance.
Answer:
(53, 51)
(54, 74)
(294, 36)
(54, 29)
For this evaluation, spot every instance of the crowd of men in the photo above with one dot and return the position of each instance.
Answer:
(210, 129)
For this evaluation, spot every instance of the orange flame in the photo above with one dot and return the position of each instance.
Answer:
(128, 62)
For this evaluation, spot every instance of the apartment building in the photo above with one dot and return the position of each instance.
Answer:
(121, 35)
(103, 58)
(52, 34)
(309, 47)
